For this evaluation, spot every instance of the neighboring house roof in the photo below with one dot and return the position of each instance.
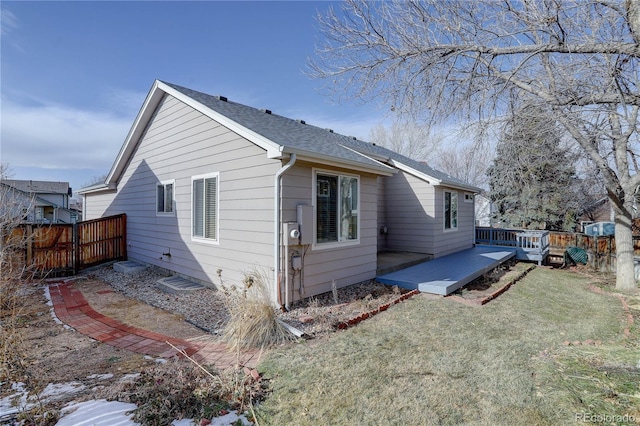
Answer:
(38, 186)
(278, 135)
(30, 197)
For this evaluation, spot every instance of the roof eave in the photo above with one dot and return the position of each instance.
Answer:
(314, 157)
(432, 180)
(97, 188)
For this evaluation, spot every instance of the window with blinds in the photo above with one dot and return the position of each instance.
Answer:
(337, 208)
(164, 198)
(205, 207)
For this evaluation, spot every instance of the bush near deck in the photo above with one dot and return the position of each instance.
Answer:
(434, 361)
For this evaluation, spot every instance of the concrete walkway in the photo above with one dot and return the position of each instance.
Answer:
(72, 308)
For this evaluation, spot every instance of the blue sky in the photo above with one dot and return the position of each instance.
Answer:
(74, 74)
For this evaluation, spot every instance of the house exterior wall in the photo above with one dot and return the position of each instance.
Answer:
(453, 240)
(382, 214)
(346, 264)
(181, 143)
(414, 217)
(409, 214)
(60, 200)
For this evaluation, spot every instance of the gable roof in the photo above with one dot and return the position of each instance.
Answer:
(38, 186)
(279, 136)
(28, 196)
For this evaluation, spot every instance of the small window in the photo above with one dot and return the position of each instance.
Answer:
(337, 208)
(205, 207)
(468, 198)
(450, 210)
(164, 198)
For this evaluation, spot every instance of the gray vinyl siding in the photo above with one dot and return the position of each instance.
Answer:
(451, 241)
(346, 265)
(409, 211)
(181, 143)
(382, 214)
(98, 205)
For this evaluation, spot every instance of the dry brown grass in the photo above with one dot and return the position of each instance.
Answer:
(252, 317)
(434, 361)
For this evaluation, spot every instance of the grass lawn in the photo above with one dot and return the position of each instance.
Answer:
(431, 360)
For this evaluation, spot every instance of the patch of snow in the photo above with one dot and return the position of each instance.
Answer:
(47, 295)
(57, 390)
(100, 376)
(156, 360)
(12, 404)
(129, 377)
(113, 413)
(99, 413)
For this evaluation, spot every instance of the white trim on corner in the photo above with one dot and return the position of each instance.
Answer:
(315, 246)
(203, 240)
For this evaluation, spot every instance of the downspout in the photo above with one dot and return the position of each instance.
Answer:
(277, 229)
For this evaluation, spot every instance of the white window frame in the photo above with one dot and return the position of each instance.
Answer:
(341, 242)
(454, 195)
(164, 184)
(202, 239)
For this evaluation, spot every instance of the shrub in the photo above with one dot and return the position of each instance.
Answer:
(253, 321)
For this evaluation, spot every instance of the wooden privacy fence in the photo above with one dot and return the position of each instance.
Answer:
(601, 249)
(65, 249)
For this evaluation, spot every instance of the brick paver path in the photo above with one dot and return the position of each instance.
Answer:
(72, 308)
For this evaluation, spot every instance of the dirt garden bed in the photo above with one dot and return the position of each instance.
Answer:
(492, 284)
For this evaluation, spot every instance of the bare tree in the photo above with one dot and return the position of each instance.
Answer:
(408, 139)
(479, 59)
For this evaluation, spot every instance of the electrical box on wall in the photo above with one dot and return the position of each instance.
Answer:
(305, 220)
(291, 233)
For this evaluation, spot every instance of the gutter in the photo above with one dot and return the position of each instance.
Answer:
(276, 237)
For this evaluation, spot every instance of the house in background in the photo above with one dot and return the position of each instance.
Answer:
(42, 201)
(220, 192)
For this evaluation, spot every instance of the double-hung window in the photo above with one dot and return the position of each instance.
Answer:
(450, 210)
(164, 198)
(205, 190)
(337, 207)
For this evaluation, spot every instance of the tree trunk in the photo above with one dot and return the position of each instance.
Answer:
(625, 268)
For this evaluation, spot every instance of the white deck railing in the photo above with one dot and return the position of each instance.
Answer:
(530, 245)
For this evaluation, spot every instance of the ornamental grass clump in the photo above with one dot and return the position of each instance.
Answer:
(253, 321)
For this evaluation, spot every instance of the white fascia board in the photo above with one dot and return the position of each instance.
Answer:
(273, 149)
(139, 125)
(370, 157)
(97, 189)
(429, 179)
(313, 157)
(433, 181)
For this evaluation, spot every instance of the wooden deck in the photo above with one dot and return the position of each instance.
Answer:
(529, 245)
(447, 274)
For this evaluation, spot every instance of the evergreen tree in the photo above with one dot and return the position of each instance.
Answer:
(532, 177)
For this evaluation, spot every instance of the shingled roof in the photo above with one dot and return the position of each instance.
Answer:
(279, 136)
(296, 134)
